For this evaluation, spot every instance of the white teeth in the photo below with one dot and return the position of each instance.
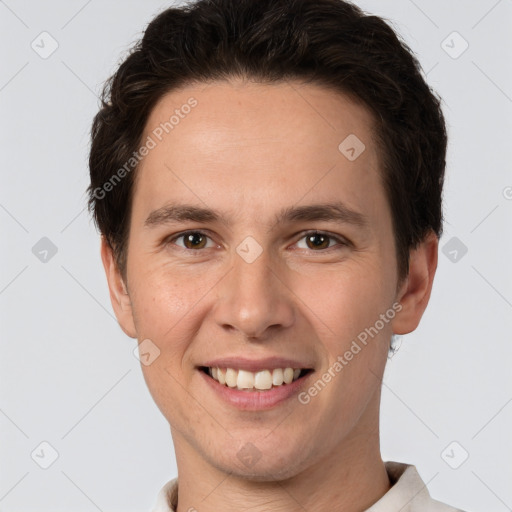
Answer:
(288, 375)
(245, 380)
(231, 377)
(277, 377)
(262, 380)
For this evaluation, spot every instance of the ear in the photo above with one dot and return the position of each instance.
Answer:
(414, 293)
(119, 296)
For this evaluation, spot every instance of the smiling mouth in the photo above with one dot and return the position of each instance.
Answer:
(263, 380)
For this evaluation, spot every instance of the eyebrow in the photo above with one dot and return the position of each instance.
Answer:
(333, 212)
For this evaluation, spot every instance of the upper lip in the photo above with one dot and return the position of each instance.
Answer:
(254, 365)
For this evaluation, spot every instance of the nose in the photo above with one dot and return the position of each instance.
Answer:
(254, 298)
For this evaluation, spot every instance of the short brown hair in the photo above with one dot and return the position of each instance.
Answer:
(326, 42)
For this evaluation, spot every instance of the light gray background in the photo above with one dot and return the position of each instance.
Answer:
(68, 373)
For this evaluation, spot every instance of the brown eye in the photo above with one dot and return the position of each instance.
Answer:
(194, 240)
(317, 241)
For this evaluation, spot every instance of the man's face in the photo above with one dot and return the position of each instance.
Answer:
(255, 284)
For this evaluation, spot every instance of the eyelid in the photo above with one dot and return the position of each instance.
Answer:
(182, 234)
(341, 241)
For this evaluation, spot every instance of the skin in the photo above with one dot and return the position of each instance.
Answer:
(248, 150)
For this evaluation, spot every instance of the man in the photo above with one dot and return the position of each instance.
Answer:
(267, 180)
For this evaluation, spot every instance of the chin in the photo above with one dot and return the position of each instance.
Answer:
(265, 465)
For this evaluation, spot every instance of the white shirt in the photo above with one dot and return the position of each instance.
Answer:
(408, 493)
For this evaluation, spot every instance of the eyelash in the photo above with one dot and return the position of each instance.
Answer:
(341, 241)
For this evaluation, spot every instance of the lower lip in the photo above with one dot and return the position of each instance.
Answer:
(255, 400)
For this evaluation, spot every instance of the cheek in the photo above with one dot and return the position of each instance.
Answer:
(345, 300)
(165, 306)
(163, 296)
(169, 307)
(157, 307)
(347, 310)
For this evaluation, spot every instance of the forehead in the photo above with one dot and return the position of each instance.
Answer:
(228, 113)
(249, 140)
